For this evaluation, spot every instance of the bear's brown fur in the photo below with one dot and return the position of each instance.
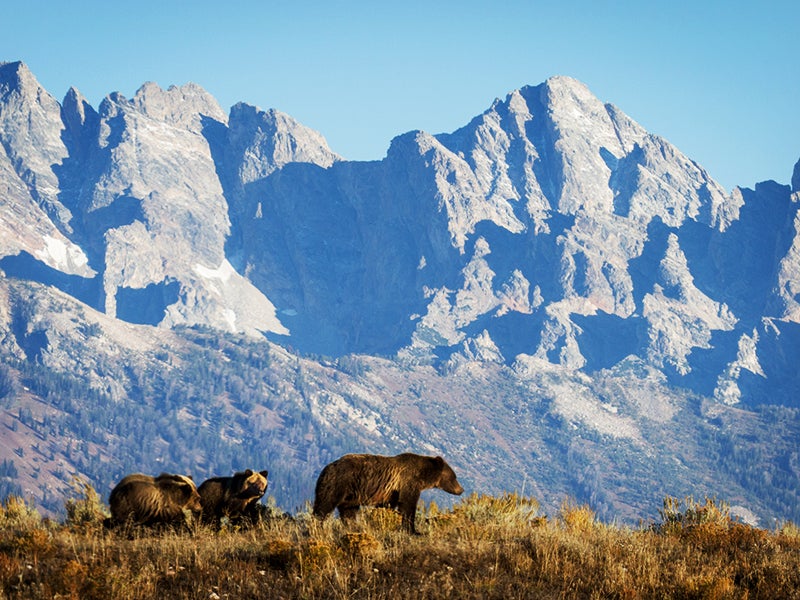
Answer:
(356, 480)
(168, 499)
(232, 497)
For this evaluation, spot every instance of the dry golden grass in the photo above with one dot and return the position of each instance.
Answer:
(484, 547)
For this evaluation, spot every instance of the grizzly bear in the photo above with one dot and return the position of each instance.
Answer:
(356, 480)
(164, 500)
(232, 497)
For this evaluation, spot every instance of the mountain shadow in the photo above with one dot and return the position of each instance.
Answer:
(606, 339)
(25, 266)
(738, 266)
(780, 341)
(148, 305)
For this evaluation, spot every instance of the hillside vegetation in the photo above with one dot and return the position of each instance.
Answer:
(483, 547)
(210, 404)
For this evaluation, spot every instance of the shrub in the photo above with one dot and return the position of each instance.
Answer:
(576, 518)
(790, 532)
(86, 509)
(682, 514)
(17, 514)
(482, 509)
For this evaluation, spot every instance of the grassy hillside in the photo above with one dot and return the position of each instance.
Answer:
(483, 547)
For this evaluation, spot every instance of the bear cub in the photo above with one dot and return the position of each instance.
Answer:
(235, 498)
(167, 499)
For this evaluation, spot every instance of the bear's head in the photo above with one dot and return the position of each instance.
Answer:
(447, 478)
(181, 491)
(250, 485)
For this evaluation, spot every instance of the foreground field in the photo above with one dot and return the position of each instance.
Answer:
(484, 547)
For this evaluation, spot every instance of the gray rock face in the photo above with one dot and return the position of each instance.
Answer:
(34, 220)
(30, 133)
(261, 142)
(134, 188)
(552, 227)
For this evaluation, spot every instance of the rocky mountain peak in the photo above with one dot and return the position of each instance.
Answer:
(262, 141)
(80, 120)
(182, 106)
(17, 77)
(78, 108)
(566, 93)
(30, 132)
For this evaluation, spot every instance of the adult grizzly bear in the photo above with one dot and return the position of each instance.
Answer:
(356, 480)
(232, 497)
(140, 499)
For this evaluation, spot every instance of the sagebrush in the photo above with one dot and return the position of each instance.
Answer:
(483, 547)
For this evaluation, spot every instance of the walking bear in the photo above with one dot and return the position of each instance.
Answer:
(144, 500)
(356, 480)
(232, 497)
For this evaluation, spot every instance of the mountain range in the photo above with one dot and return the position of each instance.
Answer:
(556, 300)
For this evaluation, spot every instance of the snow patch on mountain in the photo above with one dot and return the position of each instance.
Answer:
(64, 256)
(222, 273)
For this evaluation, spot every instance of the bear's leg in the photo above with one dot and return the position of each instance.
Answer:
(407, 506)
(347, 513)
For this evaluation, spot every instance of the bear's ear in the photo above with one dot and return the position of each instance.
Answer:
(186, 490)
(264, 473)
(439, 460)
(181, 485)
(248, 472)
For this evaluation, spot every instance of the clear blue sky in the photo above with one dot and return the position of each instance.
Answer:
(719, 79)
